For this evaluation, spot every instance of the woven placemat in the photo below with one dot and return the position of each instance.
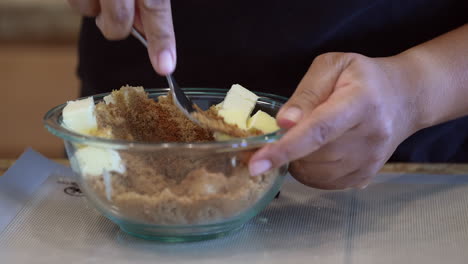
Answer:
(399, 219)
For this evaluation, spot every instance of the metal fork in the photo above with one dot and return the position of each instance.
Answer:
(180, 99)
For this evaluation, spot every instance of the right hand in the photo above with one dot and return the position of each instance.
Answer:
(152, 18)
(345, 119)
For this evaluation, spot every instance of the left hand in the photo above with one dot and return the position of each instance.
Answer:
(345, 119)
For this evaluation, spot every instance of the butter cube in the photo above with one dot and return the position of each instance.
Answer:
(94, 161)
(240, 98)
(79, 116)
(221, 136)
(263, 122)
(235, 117)
(237, 106)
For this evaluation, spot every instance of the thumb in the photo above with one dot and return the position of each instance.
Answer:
(315, 87)
(156, 17)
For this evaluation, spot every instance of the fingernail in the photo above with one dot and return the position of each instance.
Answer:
(259, 167)
(292, 114)
(165, 62)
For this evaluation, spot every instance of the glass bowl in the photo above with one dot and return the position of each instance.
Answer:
(173, 192)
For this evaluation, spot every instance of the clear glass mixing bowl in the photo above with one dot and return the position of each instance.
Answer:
(175, 191)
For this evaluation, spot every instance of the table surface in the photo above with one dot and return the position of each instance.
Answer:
(417, 168)
(386, 223)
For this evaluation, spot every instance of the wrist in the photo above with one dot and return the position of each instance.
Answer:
(436, 83)
(409, 108)
(415, 70)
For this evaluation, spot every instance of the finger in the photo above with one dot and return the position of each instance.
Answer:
(319, 173)
(156, 17)
(350, 180)
(331, 153)
(326, 123)
(342, 183)
(116, 18)
(137, 20)
(86, 7)
(314, 88)
(376, 164)
(347, 148)
(360, 178)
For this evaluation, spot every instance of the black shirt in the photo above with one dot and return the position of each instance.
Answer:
(268, 45)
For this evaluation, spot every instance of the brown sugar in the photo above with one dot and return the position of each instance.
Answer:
(173, 190)
(133, 116)
(173, 185)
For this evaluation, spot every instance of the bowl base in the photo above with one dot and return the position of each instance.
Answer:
(172, 238)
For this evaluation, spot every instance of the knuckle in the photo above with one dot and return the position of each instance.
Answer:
(320, 134)
(309, 96)
(327, 57)
(373, 104)
(324, 59)
(121, 16)
(331, 58)
(383, 132)
(357, 58)
(115, 23)
(161, 37)
(113, 34)
(376, 158)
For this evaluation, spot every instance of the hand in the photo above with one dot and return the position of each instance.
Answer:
(153, 18)
(345, 119)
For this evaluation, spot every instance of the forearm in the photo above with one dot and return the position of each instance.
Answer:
(436, 76)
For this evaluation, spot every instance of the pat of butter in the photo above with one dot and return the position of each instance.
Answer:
(103, 133)
(240, 98)
(79, 116)
(237, 106)
(221, 136)
(94, 161)
(263, 122)
(235, 117)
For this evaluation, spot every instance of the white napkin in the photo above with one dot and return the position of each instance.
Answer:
(22, 180)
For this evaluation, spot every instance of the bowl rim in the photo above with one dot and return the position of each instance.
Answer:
(51, 122)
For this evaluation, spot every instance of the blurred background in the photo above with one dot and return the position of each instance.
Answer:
(38, 55)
